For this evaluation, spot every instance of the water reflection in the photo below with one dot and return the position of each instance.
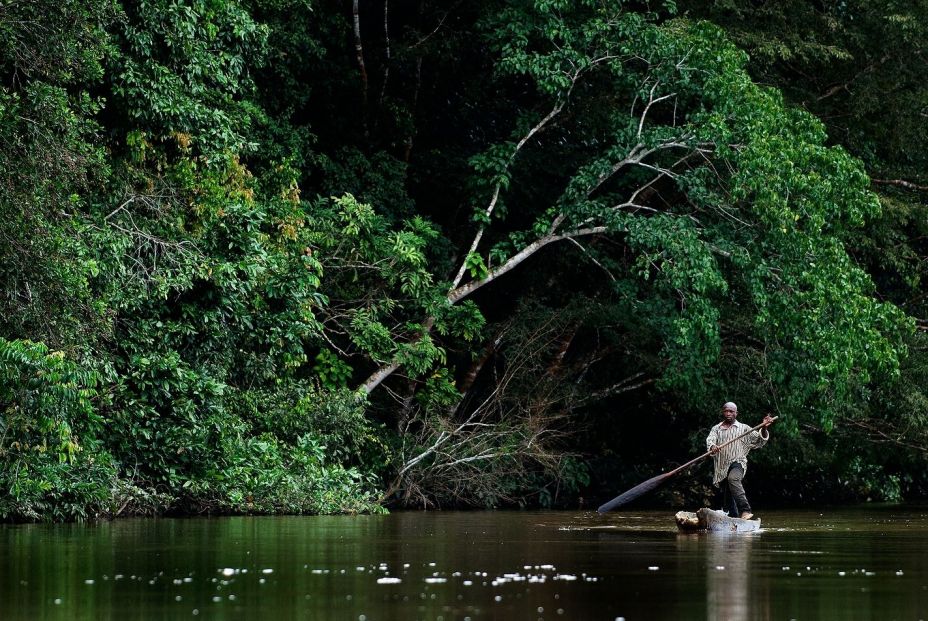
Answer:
(728, 577)
(733, 590)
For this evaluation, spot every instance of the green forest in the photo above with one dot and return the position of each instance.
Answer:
(312, 257)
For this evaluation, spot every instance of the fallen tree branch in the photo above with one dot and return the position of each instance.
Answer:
(902, 183)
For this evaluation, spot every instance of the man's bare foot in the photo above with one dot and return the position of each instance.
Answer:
(747, 515)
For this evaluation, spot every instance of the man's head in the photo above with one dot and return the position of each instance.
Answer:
(729, 412)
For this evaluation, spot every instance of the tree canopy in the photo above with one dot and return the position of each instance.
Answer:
(285, 256)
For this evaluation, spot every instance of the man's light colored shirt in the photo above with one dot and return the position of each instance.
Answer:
(734, 452)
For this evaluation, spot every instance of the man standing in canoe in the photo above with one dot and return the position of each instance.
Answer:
(731, 461)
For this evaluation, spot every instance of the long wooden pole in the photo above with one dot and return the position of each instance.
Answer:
(647, 486)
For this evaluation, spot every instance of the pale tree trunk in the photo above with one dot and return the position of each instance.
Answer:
(386, 37)
(359, 48)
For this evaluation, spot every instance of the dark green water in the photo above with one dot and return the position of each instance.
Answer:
(844, 564)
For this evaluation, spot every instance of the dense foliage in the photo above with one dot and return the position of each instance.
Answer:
(288, 256)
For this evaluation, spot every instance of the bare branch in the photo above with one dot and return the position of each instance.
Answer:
(441, 23)
(902, 184)
(651, 102)
(591, 258)
(465, 290)
(620, 387)
(488, 212)
(878, 435)
(637, 155)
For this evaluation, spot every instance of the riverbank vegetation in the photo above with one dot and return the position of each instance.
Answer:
(291, 256)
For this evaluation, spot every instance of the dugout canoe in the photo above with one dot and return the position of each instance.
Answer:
(710, 520)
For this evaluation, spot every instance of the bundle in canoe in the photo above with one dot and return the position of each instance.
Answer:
(713, 521)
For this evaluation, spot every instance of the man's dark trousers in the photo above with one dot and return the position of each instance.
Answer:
(734, 500)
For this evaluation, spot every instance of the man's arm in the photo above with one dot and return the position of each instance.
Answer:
(760, 438)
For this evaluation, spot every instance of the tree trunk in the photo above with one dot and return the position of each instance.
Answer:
(359, 49)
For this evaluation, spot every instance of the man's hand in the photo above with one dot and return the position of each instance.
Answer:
(768, 420)
(714, 449)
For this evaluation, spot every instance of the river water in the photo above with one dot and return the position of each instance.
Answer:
(847, 564)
